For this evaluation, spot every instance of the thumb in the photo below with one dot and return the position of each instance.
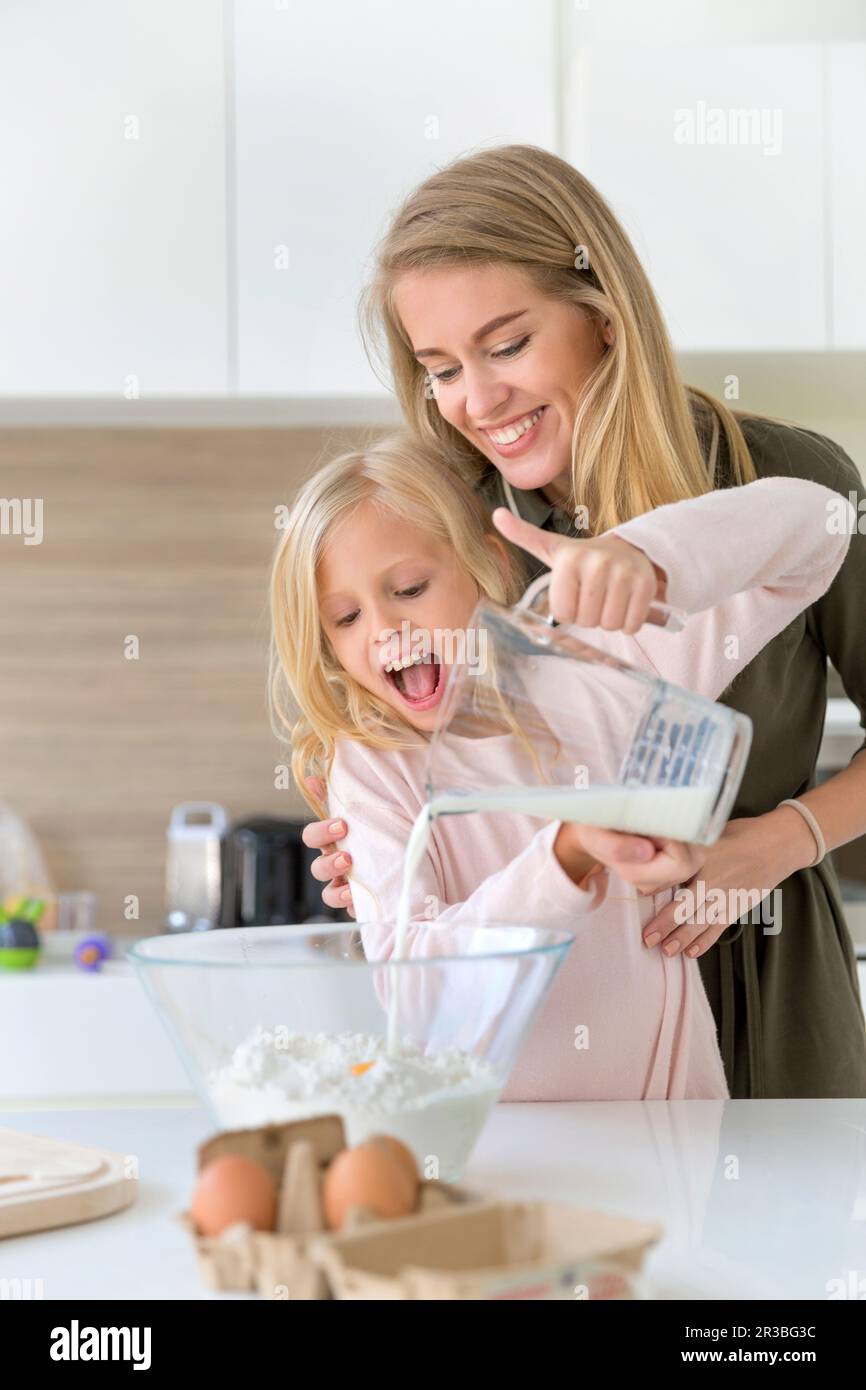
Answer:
(542, 544)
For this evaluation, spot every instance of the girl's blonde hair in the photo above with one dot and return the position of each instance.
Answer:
(312, 700)
(641, 437)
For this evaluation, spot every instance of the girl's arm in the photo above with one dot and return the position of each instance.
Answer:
(744, 562)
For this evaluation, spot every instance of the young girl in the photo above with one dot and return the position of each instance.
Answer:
(382, 544)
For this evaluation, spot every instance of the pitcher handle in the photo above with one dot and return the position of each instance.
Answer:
(659, 615)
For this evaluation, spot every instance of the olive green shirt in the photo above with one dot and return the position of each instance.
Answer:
(786, 1001)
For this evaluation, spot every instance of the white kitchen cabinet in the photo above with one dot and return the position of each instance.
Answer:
(728, 217)
(112, 277)
(340, 111)
(192, 191)
(847, 192)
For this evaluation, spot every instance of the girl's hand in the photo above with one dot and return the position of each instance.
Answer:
(329, 868)
(603, 582)
(572, 857)
(650, 865)
(752, 857)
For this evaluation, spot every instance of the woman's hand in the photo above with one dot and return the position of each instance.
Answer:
(603, 582)
(330, 867)
(751, 858)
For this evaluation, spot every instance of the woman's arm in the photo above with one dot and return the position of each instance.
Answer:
(837, 622)
(765, 850)
(784, 547)
(838, 805)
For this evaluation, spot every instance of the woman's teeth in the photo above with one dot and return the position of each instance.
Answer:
(513, 432)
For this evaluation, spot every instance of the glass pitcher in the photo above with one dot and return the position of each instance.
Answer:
(543, 724)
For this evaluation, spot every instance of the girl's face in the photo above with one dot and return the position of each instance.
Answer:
(508, 365)
(387, 590)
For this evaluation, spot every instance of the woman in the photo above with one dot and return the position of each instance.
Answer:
(520, 328)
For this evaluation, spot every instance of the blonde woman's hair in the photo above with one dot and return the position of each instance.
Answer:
(312, 699)
(641, 437)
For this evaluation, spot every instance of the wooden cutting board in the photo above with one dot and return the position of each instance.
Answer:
(49, 1182)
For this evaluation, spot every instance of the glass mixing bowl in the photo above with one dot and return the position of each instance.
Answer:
(279, 1023)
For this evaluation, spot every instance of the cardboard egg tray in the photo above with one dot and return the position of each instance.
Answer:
(457, 1245)
(278, 1264)
(490, 1250)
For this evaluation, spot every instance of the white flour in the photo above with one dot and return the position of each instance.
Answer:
(436, 1105)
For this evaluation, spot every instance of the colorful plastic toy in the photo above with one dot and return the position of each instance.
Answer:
(19, 939)
(90, 953)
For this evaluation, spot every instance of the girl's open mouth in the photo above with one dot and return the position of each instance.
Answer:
(419, 683)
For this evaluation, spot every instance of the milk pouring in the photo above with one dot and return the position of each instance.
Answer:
(599, 742)
(674, 812)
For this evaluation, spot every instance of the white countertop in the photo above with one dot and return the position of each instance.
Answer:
(758, 1199)
(96, 1039)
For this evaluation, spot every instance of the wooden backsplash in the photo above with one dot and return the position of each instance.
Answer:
(165, 535)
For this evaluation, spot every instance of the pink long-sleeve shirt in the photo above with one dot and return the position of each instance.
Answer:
(743, 563)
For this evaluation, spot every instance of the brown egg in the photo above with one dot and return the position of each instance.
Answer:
(369, 1176)
(231, 1189)
(401, 1152)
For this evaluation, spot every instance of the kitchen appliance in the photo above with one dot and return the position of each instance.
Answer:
(193, 874)
(266, 875)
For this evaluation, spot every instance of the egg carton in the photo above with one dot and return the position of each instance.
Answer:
(279, 1264)
(491, 1250)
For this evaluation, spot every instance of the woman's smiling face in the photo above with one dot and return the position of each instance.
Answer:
(508, 365)
(377, 572)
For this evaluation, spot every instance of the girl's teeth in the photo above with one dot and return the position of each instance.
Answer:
(513, 432)
(399, 665)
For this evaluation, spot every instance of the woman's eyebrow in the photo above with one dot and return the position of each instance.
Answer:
(482, 332)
